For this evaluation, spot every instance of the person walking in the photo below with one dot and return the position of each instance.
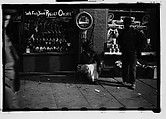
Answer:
(11, 59)
(131, 41)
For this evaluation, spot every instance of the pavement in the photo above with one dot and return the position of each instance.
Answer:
(72, 92)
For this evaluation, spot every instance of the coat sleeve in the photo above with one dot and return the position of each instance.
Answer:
(119, 39)
(141, 39)
(11, 69)
(16, 81)
(9, 64)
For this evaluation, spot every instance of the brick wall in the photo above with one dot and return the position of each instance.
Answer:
(98, 36)
(100, 29)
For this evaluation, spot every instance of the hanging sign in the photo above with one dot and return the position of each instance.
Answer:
(84, 20)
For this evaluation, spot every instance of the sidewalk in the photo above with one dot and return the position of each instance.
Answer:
(70, 92)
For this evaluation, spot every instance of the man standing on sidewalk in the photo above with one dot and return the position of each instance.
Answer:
(131, 42)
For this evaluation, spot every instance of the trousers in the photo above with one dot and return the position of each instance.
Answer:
(129, 66)
(11, 99)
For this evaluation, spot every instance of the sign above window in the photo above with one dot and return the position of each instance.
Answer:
(48, 13)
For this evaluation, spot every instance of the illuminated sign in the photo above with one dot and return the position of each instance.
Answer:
(84, 20)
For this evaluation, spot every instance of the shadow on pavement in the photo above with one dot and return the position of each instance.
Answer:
(69, 78)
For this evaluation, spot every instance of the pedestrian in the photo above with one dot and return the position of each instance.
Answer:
(89, 62)
(131, 41)
(11, 60)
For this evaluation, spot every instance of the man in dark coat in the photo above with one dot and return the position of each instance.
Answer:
(11, 80)
(130, 41)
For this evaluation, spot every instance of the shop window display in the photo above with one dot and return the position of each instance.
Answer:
(140, 20)
(48, 30)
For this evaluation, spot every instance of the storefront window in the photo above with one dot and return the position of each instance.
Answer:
(48, 30)
(140, 21)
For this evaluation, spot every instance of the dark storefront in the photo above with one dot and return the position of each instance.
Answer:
(51, 39)
(145, 20)
(48, 39)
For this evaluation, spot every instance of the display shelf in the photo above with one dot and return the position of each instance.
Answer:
(148, 53)
(48, 53)
(142, 53)
(110, 53)
(45, 33)
(125, 11)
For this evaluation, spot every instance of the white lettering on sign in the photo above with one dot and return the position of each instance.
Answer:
(48, 13)
(60, 12)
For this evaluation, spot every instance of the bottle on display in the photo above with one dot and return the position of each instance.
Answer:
(114, 46)
(148, 47)
(48, 36)
(28, 49)
(29, 45)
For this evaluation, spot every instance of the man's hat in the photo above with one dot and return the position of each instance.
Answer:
(9, 11)
(127, 20)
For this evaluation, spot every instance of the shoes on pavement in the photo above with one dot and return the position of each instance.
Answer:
(124, 83)
(133, 86)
